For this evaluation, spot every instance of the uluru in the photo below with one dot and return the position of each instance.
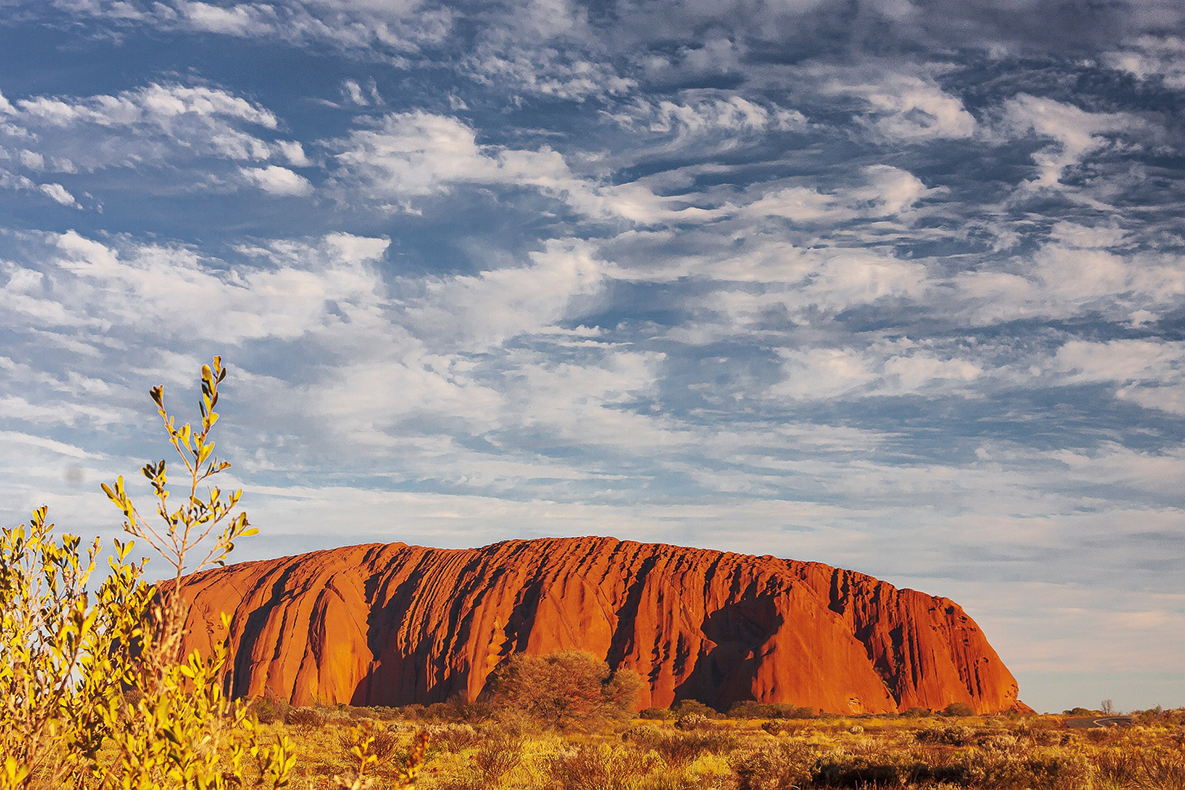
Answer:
(397, 624)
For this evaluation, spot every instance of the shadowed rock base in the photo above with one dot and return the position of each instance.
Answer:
(396, 624)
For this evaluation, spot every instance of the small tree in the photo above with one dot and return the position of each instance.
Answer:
(62, 657)
(570, 689)
(1107, 707)
(66, 661)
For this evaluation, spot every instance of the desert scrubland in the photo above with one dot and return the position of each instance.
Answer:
(474, 746)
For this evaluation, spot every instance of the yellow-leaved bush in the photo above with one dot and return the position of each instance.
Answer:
(94, 691)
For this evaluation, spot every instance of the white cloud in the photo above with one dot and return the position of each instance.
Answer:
(547, 72)
(156, 105)
(1076, 133)
(887, 191)
(884, 369)
(1148, 372)
(59, 194)
(1068, 275)
(901, 106)
(417, 154)
(171, 292)
(293, 152)
(578, 404)
(149, 125)
(545, 48)
(276, 180)
(475, 312)
(395, 27)
(157, 126)
(714, 56)
(701, 115)
(1152, 57)
(353, 91)
(253, 19)
(32, 160)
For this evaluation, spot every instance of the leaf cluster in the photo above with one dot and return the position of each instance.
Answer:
(94, 693)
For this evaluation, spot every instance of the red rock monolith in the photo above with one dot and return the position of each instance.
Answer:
(396, 624)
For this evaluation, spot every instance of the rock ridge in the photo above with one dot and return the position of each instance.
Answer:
(393, 624)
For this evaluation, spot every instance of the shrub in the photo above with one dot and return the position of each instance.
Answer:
(782, 767)
(643, 736)
(844, 770)
(1048, 769)
(877, 766)
(685, 706)
(498, 754)
(1100, 735)
(51, 725)
(691, 721)
(751, 709)
(305, 719)
(678, 749)
(953, 735)
(413, 712)
(775, 727)
(452, 737)
(656, 714)
(366, 746)
(999, 741)
(570, 689)
(958, 709)
(1039, 735)
(384, 745)
(459, 708)
(1162, 768)
(601, 767)
(68, 662)
(269, 709)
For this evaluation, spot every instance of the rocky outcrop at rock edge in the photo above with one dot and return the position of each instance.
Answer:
(396, 624)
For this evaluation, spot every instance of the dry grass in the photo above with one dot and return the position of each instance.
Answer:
(817, 753)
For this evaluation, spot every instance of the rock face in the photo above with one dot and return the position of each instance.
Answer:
(397, 624)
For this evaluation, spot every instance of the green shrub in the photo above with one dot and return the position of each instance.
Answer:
(961, 709)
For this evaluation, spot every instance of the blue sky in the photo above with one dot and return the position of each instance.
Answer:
(896, 286)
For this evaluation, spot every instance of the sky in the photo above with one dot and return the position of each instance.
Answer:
(895, 286)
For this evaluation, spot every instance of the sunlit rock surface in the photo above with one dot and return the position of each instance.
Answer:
(397, 624)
